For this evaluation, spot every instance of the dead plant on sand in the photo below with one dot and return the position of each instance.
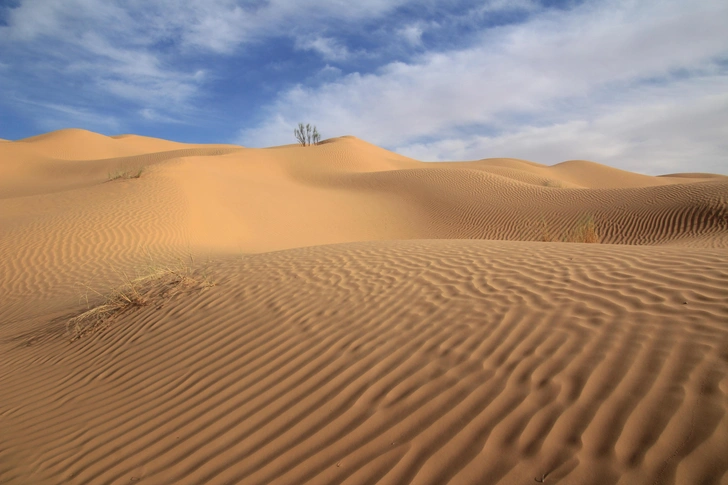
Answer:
(307, 135)
(546, 235)
(584, 231)
(156, 284)
(125, 174)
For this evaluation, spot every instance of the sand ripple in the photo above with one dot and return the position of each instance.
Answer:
(403, 362)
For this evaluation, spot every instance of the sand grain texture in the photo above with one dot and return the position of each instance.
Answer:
(374, 319)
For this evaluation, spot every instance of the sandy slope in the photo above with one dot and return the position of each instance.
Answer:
(439, 344)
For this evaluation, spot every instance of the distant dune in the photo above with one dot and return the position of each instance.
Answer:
(344, 314)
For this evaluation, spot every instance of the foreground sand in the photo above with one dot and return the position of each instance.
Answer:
(361, 329)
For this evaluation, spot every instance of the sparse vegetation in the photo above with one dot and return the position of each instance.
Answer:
(155, 285)
(546, 235)
(307, 135)
(584, 231)
(125, 173)
(554, 184)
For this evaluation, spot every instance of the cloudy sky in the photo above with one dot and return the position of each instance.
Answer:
(636, 84)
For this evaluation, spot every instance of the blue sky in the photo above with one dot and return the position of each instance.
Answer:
(637, 84)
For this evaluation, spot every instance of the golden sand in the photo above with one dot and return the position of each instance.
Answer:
(373, 319)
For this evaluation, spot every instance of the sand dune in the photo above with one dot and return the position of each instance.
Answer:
(72, 159)
(75, 144)
(696, 175)
(374, 319)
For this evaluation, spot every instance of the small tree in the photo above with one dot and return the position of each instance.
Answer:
(307, 135)
(300, 134)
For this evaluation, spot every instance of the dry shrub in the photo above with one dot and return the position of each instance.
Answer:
(157, 284)
(584, 231)
(546, 235)
(126, 173)
(554, 184)
(307, 135)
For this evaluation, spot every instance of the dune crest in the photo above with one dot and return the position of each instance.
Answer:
(77, 144)
(361, 317)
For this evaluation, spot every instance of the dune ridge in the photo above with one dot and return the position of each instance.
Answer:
(78, 144)
(374, 319)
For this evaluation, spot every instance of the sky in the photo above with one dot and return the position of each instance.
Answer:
(640, 85)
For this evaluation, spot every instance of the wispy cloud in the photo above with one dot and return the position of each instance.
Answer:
(508, 5)
(329, 48)
(412, 33)
(53, 116)
(98, 46)
(152, 52)
(150, 114)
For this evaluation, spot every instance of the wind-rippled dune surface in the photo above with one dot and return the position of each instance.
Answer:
(373, 319)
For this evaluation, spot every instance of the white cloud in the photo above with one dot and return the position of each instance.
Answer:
(328, 74)
(499, 5)
(653, 138)
(30, 20)
(136, 74)
(575, 75)
(328, 48)
(99, 42)
(216, 25)
(412, 33)
(221, 25)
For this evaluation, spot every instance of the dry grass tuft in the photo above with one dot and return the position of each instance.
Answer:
(585, 231)
(554, 184)
(157, 284)
(125, 174)
(546, 234)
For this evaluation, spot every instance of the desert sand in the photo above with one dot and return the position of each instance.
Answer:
(353, 316)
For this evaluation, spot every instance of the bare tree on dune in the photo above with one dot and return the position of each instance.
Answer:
(307, 135)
